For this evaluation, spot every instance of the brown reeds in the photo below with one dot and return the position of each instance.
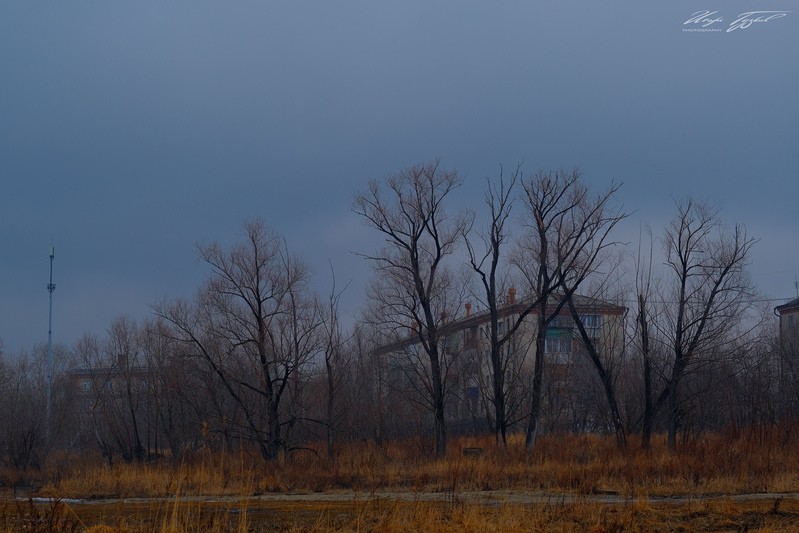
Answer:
(368, 475)
(580, 464)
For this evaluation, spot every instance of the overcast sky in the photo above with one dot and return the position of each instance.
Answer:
(129, 131)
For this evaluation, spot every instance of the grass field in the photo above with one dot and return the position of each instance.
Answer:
(589, 484)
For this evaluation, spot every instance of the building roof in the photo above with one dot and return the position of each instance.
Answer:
(105, 371)
(584, 304)
(790, 306)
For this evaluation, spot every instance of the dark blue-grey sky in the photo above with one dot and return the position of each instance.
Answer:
(129, 131)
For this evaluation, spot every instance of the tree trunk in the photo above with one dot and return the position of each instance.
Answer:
(438, 404)
(649, 410)
(604, 376)
(538, 379)
(500, 421)
(273, 440)
(330, 395)
(673, 414)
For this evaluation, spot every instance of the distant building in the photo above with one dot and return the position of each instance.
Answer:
(95, 386)
(113, 400)
(789, 322)
(570, 399)
(788, 357)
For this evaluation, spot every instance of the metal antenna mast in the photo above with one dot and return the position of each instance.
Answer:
(50, 289)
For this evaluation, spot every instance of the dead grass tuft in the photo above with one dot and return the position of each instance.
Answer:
(754, 461)
(578, 464)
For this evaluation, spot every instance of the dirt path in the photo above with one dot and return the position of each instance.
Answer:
(292, 512)
(493, 497)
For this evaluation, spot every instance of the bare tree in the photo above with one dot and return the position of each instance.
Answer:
(709, 290)
(568, 231)
(335, 363)
(23, 428)
(644, 337)
(604, 354)
(408, 210)
(487, 265)
(129, 382)
(176, 408)
(96, 381)
(113, 391)
(366, 393)
(255, 327)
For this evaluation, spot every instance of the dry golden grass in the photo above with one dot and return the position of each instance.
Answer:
(581, 516)
(435, 517)
(580, 466)
(585, 464)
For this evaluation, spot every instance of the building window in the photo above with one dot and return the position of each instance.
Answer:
(792, 321)
(591, 321)
(85, 385)
(558, 344)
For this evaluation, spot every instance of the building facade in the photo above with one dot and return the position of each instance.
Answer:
(789, 322)
(573, 399)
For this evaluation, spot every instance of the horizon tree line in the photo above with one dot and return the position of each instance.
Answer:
(257, 360)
